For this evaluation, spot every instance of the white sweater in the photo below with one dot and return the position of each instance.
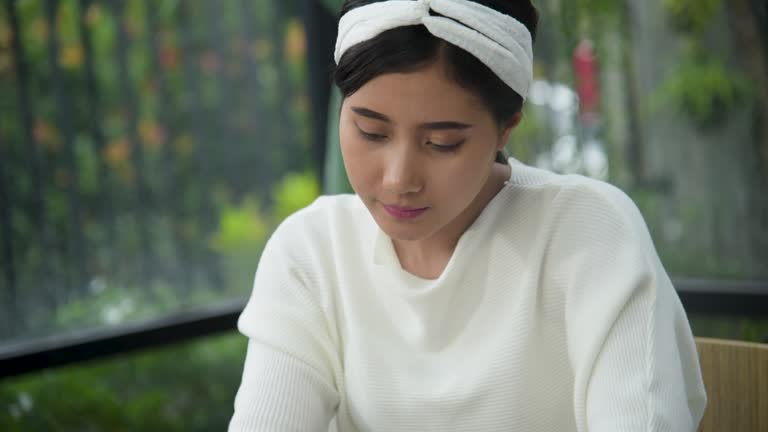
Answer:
(553, 314)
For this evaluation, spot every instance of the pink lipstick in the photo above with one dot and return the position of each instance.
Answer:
(404, 212)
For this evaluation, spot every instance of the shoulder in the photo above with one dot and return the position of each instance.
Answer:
(571, 189)
(596, 232)
(585, 196)
(597, 207)
(571, 198)
(576, 207)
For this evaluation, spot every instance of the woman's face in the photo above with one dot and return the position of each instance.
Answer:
(418, 150)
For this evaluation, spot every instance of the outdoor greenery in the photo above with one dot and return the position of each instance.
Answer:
(144, 167)
(147, 151)
(148, 148)
(185, 388)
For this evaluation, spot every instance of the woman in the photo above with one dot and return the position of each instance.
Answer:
(457, 290)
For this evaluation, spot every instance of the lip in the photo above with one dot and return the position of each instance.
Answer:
(404, 212)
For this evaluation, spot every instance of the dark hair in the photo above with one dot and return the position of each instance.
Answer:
(410, 48)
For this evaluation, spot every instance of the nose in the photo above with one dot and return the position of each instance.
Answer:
(402, 171)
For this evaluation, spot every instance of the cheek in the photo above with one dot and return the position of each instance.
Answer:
(357, 162)
(463, 180)
(461, 185)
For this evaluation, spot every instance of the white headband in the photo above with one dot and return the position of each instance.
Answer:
(499, 41)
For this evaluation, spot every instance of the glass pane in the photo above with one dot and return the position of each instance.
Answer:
(729, 327)
(149, 391)
(668, 100)
(147, 151)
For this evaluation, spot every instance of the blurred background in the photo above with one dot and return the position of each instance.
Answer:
(148, 148)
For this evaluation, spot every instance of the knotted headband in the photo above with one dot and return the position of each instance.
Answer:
(499, 41)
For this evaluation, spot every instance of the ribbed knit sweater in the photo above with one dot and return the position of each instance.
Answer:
(554, 313)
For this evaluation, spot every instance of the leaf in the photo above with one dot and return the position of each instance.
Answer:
(294, 192)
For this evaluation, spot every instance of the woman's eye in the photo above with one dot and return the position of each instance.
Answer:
(443, 148)
(372, 136)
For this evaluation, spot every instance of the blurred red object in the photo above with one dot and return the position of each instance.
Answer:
(587, 86)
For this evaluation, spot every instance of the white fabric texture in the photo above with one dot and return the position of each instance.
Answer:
(499, 41)
(553, 314)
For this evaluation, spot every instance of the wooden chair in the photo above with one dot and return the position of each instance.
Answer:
(736, 377)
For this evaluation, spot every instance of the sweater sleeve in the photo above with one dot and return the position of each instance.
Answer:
(630, 346)
(288, 378)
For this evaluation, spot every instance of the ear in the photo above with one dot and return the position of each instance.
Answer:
(504, 137)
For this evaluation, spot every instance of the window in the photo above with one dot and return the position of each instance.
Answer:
(149, 147)
(149, 391)
(666, 99)
(147, 150)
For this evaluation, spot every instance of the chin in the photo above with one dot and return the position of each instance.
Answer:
(405, 231)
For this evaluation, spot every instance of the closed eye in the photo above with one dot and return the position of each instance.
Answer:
(372, 136)
(446, 148)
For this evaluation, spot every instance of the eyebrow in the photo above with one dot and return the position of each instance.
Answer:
(439, 125)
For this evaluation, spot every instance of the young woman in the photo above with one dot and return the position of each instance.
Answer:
(458, 290)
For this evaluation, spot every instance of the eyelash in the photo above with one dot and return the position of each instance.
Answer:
(446, 148)
(372, 137)
(437, 147)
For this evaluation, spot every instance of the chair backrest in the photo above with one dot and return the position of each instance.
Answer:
(736, 377)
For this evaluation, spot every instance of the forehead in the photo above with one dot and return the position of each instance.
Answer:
(422, 95)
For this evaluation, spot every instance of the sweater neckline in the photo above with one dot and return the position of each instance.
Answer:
(385, 256)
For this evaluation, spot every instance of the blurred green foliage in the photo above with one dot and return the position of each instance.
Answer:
(701, 84)
(705, 90)
(730, 327)
(218, 94)
(295, 191)
(163, 177)
(692, 15)
(224, 131)
(240, 227)
(187, 388)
